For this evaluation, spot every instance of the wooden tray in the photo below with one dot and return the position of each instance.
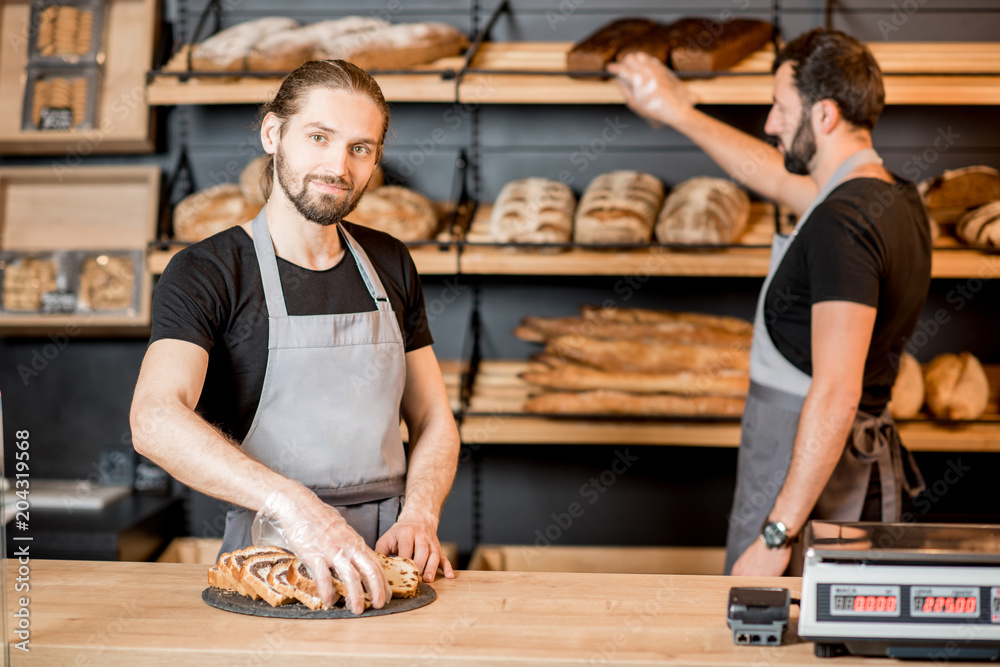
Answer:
(104, 208)
(123, 123)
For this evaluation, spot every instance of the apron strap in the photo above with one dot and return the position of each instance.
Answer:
(368, 274)
(269, 276)
(875, 440)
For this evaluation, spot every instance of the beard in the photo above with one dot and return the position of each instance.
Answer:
(803, 149)
(323, 209)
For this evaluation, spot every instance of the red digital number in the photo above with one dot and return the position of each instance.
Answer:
(870, 603)
(880, 603)
(890, 603)
(928, 605)
(949, 606)
(970, 605)
(938, 605)
(859, 603)
(959, 605)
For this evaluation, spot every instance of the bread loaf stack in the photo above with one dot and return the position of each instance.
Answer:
(955, 192)
(618, 207)
(533, 210)
(637, 361)
(399, 211)
(279, 44)
(704, 210)
(279, 578)
(687, 45)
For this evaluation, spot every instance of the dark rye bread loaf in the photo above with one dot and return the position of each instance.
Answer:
(595, 51)
(661, 40)
(717, 46)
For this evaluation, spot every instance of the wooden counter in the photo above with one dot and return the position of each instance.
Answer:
(114, 613)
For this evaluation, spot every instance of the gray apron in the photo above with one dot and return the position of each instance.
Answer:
(329, 409)
(771, 420)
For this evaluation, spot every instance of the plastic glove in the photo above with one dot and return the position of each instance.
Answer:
(320, 537)
(651, 89)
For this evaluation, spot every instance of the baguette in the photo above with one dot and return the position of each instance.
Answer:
(542, 329)
(908, 389)
(574, 377)
(956, 387)
(621, 403)
(633, 356)
(645, 315)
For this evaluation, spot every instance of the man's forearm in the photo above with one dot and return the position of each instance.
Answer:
(196, 454)
(824, 426)
(434, 451)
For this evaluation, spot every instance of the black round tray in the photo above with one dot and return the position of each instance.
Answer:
(241, 604)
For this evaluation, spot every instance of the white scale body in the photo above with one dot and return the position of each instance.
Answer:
(927, 591)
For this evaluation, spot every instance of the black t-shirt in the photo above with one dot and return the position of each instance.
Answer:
(868, 243)
(211, 294)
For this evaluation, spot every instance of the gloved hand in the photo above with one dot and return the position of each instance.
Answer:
(320, 537)
(652, 90)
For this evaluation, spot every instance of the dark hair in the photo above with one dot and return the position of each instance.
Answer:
(831, 65)
(329, 74)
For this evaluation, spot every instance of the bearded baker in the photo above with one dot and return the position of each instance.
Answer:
(843, 293)
(284, 351)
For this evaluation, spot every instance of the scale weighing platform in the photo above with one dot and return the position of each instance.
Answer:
(902, 590)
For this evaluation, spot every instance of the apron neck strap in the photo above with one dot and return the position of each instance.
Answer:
(271, 280)
(863, 156)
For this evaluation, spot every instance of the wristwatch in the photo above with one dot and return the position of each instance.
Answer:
(775, 535)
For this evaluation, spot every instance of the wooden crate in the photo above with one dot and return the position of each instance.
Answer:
(617, 560)
(106, 208)
(123, 124)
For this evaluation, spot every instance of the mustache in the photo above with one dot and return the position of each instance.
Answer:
(773, 140)
(336, 181)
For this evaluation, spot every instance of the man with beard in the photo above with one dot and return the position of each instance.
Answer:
(284, 351)
(843, 293)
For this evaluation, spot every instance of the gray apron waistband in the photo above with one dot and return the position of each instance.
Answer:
(776, 397)
(362, 493)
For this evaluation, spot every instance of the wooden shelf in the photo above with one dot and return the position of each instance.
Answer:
(169, 89)
(498, 392)
(914, 73)
(124, 123)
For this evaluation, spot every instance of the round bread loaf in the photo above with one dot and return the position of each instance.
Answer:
(227, 50)
(399, 211)
(619, 207)
(956, 386)
(704, 210)
(981, 226)
(210, 211)
(533, 210)
(948, 196)
(908, 389)
(251, 181)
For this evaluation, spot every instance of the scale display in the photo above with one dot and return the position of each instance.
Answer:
(868, 601)
(944, 602)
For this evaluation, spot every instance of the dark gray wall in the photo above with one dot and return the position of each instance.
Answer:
(77, 404)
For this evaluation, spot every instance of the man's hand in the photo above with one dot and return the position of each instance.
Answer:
(320, 537)
(759, 561)
(652, 90)
(416, 537)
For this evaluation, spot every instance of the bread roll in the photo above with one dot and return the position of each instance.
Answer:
(395, 46)
(211, 211)
(981, 227)
(399, 211)
(947, 197)
(956, 387)
(619, 207)
(704, 210)
(605, 402)
(533, 210)
(287, 49)
(227, 50)
(908, 389)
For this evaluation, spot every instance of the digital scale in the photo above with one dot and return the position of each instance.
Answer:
(902, 590)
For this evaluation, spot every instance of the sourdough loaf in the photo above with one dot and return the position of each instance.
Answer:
(395, 46)
(618, 207)
(956, 387)
(287, 49)
(949, 196)
(210, 211)
(594, 52)
(605, 402)
(533, 210)
(704, 210)
(981, 227)
(252, 182)
(228, 49)
(399, 211)
(719, 45)
(908, 389)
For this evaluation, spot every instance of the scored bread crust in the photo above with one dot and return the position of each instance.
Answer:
(533, 210)
(395, 46)
(227, 50)
(287, 49)
(704, 210)
(646, 315)
(635, 356)
(618, 207)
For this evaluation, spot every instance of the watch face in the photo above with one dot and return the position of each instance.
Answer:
(774, 534)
